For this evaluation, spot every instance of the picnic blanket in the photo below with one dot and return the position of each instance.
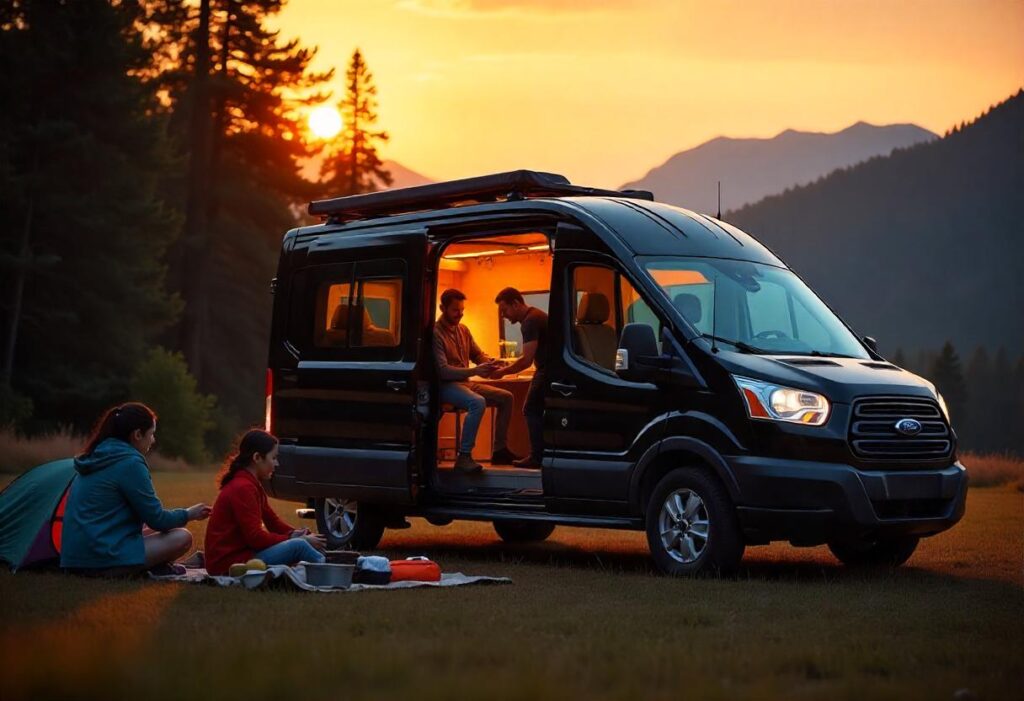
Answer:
(294, 578)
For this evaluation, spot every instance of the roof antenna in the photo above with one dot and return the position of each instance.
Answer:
(719, 217)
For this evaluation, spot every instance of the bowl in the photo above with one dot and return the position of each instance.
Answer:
(329, 575)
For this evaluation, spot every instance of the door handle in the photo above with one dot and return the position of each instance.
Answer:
(563, 389)
(397, 385)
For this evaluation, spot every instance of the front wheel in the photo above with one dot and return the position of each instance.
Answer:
(691, 525)
(347, 525)
(877, 552)
(523, 531)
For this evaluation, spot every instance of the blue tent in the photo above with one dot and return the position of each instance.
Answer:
(32, 515)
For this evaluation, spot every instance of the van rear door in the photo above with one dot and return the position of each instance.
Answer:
(346, 412)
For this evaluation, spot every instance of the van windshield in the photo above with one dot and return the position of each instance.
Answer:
(757, 308)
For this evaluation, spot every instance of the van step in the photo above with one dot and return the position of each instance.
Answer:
(309, 514)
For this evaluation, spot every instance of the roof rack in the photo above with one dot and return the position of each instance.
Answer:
(513, 185)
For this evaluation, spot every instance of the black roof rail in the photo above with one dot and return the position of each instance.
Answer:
(513, 185)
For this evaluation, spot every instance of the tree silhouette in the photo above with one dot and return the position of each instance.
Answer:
(354, 166)
(948, 377)
(233, 88)
(83, 222)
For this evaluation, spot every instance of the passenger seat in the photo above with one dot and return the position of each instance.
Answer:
(689, 306)
(596, 339)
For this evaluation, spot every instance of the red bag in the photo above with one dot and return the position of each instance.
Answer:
(415, 570)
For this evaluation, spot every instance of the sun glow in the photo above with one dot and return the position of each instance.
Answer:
(325, 122)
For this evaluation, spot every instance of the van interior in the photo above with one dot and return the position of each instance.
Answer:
(480, 268)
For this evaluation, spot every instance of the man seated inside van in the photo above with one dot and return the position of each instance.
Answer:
(454, 348)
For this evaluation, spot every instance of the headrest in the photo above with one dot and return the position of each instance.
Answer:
(689, 306)
(339, 320)
(593, 308)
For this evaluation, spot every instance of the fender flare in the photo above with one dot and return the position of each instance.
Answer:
(681, 444)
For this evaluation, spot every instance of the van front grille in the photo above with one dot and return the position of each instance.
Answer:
(873, 433)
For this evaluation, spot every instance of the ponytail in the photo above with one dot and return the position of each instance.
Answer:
(120, 422)
(254, 441)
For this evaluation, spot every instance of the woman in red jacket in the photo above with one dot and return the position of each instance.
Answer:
(242, 525)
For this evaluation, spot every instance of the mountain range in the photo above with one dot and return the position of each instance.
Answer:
(919, 247)
(750, 169)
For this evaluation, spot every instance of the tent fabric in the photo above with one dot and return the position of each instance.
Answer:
(31, 514)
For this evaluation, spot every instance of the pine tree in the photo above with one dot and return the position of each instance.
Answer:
(948, 377)
(243, 198)
(354, 166)
(898, 359)
(978, 434)
(83, 224)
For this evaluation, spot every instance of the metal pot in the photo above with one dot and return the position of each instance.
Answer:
(329, 575)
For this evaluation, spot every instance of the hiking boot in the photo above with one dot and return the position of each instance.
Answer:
(504, 457)
(467, 465)
(527, 463)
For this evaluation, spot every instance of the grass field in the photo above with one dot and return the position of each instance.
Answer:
(585, 617)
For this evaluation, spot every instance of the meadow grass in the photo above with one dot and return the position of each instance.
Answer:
(585, 617)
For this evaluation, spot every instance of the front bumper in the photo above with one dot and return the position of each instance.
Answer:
(809, 503)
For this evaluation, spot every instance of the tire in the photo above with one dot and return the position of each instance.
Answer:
(355, 528)
(880, 552)
(523, 531)
(701, 531)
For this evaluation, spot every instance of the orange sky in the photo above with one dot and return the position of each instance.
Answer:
(604, 90)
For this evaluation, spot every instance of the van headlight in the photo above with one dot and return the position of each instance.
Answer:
(942, 405)
(771, 402)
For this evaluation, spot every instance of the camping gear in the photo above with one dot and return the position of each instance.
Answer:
(329, 575)
(372, 569)
(32, 515)
(415, 569)
(341, 557)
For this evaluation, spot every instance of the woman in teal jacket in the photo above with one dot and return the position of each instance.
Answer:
(112, 498)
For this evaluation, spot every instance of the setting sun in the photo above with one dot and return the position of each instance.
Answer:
(324, 122)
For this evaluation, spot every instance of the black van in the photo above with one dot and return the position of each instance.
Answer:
(696, 388)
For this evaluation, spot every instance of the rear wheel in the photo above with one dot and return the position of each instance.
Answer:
(348, 525)
(691, 525)
(876, 552)
(523, 531)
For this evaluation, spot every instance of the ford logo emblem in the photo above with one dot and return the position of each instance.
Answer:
(909, 427)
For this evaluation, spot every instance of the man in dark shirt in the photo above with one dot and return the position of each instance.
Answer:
(534, 324)
(454, 349)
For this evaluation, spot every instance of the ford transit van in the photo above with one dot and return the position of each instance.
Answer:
(694, 388)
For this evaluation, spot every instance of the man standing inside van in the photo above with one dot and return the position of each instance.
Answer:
(534, 325)
(454, 348)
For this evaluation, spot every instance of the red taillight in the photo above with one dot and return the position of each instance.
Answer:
(270, 393)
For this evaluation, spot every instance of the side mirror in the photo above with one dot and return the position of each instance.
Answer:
(637, 356)
(871, 343)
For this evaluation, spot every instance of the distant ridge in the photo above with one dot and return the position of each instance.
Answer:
(404, 177)
(751, 169)
(918, 247)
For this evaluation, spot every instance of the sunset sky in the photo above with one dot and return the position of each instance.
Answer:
(602, 91)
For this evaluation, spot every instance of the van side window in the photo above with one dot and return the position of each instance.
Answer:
(635, 310)
(595, 329)
(331, 325)
(376, 313)
(603, 302)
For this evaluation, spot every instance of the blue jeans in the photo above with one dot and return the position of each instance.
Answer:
(289, 552)
(474, 398)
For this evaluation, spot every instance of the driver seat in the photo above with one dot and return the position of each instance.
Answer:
(596, 339)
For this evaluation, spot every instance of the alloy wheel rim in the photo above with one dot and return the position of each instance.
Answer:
(684, 526)
(340, 517)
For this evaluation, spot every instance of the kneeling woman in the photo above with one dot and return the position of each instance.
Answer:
(243, 526)
(112, 498)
